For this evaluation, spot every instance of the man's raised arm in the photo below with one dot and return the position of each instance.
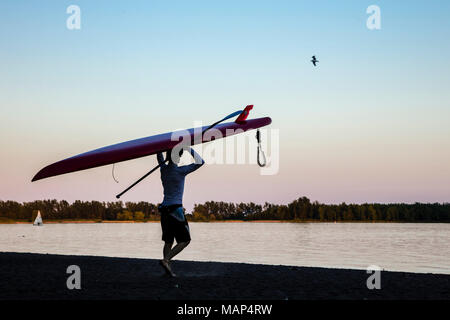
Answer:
(160, 158)
(198, 162)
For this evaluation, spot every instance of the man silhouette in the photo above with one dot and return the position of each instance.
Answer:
(174, 224)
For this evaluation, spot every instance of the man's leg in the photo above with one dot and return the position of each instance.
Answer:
(165, 261)
(166, 250)
(183, 237)
(176, 250)
(169, 253)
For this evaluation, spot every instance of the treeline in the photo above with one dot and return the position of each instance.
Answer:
(301, 209)
(79, 210)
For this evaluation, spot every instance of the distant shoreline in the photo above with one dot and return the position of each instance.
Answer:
(300, 210)
(214, 221)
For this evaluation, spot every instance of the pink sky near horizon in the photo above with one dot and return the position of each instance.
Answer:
(332, 169)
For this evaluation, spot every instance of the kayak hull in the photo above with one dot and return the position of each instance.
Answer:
(143, 147)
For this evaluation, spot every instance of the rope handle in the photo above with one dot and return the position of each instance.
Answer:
(112, 173)
(259, 150)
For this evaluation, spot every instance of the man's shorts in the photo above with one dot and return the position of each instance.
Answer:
(174, 224)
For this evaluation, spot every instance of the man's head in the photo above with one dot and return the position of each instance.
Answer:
(172, 157)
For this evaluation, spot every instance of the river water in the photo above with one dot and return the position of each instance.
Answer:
(412, 247)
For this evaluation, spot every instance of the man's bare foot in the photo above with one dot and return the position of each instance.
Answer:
(166, 266)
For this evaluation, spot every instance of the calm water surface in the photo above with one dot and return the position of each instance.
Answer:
(392, 246)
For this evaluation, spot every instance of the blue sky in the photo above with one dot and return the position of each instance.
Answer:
(370, 123)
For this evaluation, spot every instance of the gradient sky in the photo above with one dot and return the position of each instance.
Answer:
(371, 123)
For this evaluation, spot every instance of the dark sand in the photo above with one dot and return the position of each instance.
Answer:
(42, 276)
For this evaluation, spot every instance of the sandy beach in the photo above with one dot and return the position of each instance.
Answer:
(43, 276)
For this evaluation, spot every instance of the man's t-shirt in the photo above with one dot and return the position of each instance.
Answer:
(172, 177)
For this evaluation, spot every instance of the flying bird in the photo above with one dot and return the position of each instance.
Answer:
(314, 60)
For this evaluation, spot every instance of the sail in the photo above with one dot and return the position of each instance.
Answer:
(38, 220)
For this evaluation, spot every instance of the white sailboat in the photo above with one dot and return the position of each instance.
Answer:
(38, 220)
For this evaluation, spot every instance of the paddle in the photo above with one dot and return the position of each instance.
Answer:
(234, 114)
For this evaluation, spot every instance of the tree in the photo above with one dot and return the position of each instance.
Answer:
(322, 213)
(139, 215)
(372, 213)
(125, 215)
(348, 214)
